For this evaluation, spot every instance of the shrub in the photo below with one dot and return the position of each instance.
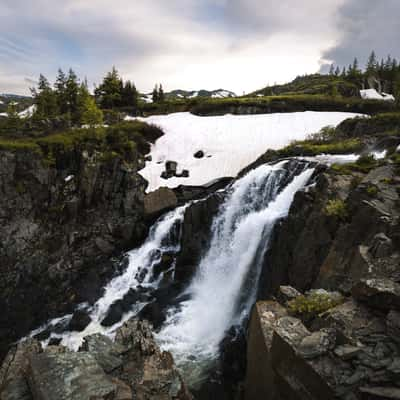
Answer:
(372, 191)
(314, 303)
(336, 208)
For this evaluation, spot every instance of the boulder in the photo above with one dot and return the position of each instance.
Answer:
(317, 344)
(159, 201)
(79, 321)
(199, 154)
(378, 293)
(393, 325)
(382, 246)
(68, 376)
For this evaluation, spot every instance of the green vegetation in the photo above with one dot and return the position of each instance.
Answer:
(288, 103)
(372, 191)
(126, 140)
(336, 208)
(310, 305)
(364, 164)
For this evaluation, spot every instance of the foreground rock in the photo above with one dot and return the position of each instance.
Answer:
(132, 367)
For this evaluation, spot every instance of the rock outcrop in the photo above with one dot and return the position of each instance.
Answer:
(341, 234)
(132, 367)
(61, 221)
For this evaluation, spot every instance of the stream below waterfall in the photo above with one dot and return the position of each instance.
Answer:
(224, 286)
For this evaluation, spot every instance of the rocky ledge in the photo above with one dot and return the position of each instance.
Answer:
(130, 367)
(328, 317)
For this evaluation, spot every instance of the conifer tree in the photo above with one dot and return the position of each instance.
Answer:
(337, 71)
(109, 93)
(161, 95)
(372, 64)
(45, 100)
(13, 123)
(331, 70)
(155, 94)
(72, 92)
(60, 88)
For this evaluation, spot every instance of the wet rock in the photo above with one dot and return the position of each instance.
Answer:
(378, 293)
(68, 376)
(165, 263)
(104, 350)
(114, 314)
(54, 341)
(153, 313)
(79, 321)
(199, 154)
(394, 370)
(159, 201)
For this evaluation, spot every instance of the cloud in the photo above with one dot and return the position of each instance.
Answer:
(366, 25)
(236, 44)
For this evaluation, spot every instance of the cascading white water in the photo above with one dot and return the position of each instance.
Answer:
(221, 294)
(225, 285)
(162, 237)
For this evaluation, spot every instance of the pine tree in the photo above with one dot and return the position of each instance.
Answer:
(161, 95)
(129, 95)
(109, 93)
(337, 71)
(72, 92)
(155, 94)
(91, 114)
(372, 64)
(13, 123)
(45, 100)
(60, 88)
(331, 70)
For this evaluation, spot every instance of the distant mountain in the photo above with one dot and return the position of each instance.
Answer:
(192, 94)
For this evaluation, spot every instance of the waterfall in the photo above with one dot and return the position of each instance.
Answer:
(163, 237)
(225, 285)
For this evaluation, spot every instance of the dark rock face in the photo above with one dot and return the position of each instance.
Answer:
(132, 367)
(159, 201)
(80, 320)
(195, 237)
(59, 226)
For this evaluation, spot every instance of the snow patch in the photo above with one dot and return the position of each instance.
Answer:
(372, 94)
(27, 113)
(232, 141)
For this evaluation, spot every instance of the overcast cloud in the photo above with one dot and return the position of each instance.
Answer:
(240, 45)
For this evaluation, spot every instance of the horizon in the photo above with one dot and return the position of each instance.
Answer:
(235, 45)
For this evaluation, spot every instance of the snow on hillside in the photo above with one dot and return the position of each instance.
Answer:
(221, 94)
(229, 142)
(28, 112)
(372, 94)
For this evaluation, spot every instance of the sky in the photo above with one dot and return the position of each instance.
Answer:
(239, 45)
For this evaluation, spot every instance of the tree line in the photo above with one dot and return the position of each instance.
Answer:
(386, 71)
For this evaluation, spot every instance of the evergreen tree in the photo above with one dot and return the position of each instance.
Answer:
(45, 100)
(129, 95)
(337, 71)
(13, 123)
(372, 64)
(155, 94)
(109, 93)
(60, 88)
(161, 95)
(331, 70)
(72, 93)
(91, 114)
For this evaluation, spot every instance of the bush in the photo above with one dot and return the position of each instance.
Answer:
(336, 208)
(314, 303)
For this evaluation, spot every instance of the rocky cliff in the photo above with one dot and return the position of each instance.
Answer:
(331, 277)
(61, 220)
